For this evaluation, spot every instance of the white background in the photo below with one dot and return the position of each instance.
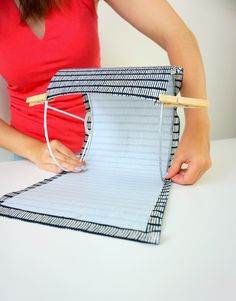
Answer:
(212, 21)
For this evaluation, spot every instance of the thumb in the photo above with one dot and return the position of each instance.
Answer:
(174, 168)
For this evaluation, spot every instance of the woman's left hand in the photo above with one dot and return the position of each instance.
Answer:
(194, 150)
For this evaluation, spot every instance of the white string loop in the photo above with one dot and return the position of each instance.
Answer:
(160, 141)
(87, 131)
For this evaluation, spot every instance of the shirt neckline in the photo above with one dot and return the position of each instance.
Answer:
(28, 27)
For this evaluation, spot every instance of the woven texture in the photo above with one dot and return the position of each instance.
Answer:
(140, 88)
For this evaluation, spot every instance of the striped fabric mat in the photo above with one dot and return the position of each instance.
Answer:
(122, 193)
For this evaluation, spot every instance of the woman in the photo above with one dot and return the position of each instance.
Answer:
(57, 34)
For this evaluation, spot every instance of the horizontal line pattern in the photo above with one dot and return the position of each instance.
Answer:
(150, 232)
(151, 81)
(104, 194)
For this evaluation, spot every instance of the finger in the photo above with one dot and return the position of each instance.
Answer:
(174, 168)
(71, 167)
(188, 176)
(66, 152)
(51, 168)
(62, 157)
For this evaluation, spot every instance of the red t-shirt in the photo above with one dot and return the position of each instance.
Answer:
(28, 63)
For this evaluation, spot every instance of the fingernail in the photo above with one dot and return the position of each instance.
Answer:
(78, 168)
(84, 167)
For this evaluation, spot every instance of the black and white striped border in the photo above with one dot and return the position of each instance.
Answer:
(142, 82)
(153, 230)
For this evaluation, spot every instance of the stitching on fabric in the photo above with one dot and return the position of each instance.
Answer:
(153, 229)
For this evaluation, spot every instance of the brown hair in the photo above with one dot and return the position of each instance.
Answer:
(37, 9)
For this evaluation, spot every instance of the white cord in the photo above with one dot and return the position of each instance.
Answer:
(85, 148)
(89, 132)
(160, 141)
(66, 113)
(46, 106)
(47, 139)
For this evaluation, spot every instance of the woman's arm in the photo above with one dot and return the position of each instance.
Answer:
(37, 151)
(158, 21)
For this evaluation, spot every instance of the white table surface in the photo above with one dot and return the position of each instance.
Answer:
(196, 259)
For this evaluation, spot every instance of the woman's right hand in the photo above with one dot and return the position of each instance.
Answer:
(66, 158)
